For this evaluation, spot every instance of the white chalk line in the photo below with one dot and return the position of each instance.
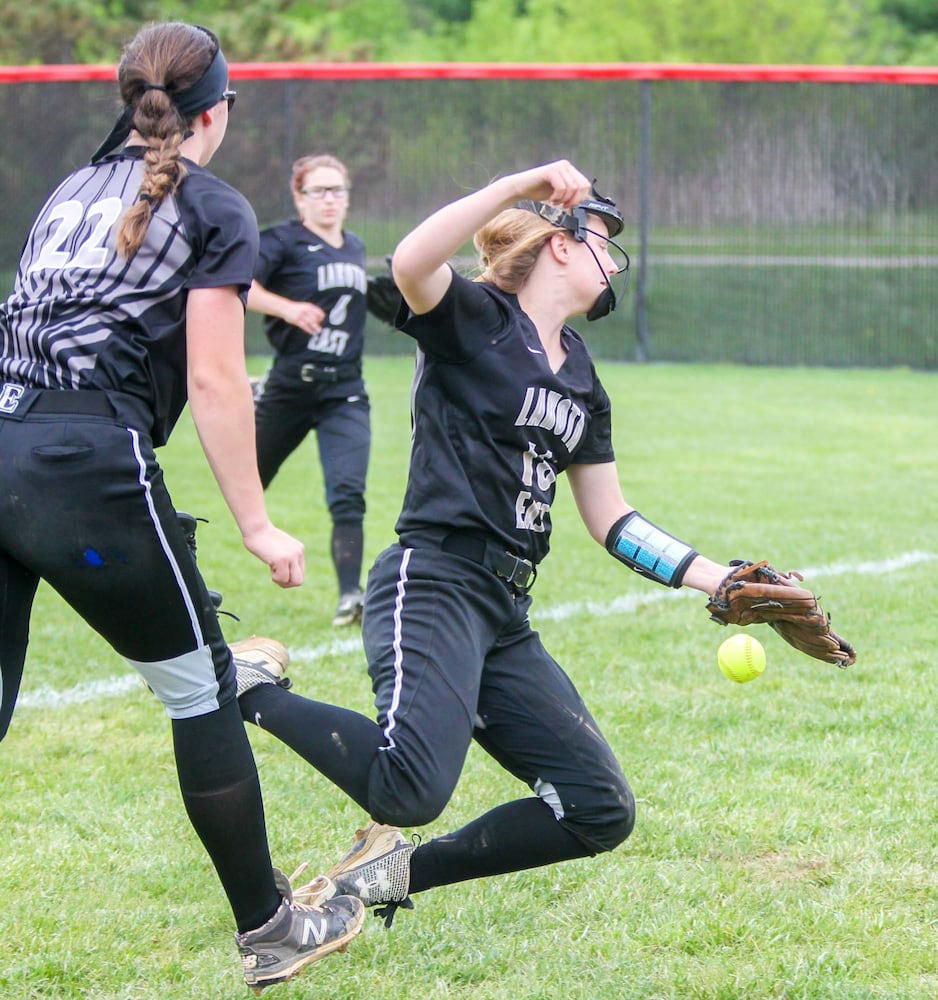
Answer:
(115, 687)
(108, 687)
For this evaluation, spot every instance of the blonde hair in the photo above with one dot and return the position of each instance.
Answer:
(307, 164)
(173, 56)
(509, 246)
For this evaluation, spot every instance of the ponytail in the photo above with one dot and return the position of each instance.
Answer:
(163, 62)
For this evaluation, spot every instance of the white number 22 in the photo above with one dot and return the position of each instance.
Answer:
(64, 219)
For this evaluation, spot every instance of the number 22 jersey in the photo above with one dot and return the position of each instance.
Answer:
(83, 317)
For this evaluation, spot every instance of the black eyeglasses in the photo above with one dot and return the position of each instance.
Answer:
(339, 191)
(229, 96)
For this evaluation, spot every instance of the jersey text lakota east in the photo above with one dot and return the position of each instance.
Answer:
(332, 339)
(554, 412)
(341, 274)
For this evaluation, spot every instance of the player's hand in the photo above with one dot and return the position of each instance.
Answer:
(558, 183)
(284, 554)
(304, 315)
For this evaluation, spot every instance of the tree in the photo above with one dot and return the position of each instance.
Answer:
(732, 31)
(66, 31)
(756, 31)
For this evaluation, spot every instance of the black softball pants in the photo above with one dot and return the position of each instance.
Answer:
(289, 408)
(83, 506)
(453, 657)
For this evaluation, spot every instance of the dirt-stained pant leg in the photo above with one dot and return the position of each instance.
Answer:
(533, 721)
(83, 505)
(453, 658)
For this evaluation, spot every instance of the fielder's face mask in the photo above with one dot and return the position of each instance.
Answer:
(576, 222)
(205, 93)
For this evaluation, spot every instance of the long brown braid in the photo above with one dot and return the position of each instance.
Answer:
(161, 60)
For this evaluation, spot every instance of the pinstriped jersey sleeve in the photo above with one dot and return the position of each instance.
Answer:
(81, 316)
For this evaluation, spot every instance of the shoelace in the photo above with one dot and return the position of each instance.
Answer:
(388, 911)
(305, 907)
(321, 888)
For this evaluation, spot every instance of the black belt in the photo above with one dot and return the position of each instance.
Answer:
(319, 373)
(517, 572)
(89, 401)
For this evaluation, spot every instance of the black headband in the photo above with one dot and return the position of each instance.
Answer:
(205, 93)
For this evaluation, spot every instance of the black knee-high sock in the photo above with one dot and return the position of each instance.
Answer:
(222, 796)
(339, 743)
(347, 547)
(510, 838)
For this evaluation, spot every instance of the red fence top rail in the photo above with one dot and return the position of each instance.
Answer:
(724, 72)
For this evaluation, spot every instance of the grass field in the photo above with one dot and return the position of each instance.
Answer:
(786, 844)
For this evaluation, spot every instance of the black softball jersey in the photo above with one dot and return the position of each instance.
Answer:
(495, 425)
(295, 263)
(83, 317)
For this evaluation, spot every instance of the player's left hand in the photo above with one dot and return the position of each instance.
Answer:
(284, 554)
(756, 593)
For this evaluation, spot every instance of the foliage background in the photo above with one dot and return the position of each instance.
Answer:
(783, 223)
(756, 31)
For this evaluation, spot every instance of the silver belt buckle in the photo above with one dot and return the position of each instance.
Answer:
(521, 574)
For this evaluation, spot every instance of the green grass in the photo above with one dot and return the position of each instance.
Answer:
(786, 843)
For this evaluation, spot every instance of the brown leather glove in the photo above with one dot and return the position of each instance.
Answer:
(753, 593)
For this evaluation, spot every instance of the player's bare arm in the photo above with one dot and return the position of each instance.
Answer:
(419, 264)
(599, 499)
(307, 316)
(598, 496)
(223, 413)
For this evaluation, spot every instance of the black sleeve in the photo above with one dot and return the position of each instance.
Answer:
(596, 446)
(468, 318)
(270, 255)
(223, 233)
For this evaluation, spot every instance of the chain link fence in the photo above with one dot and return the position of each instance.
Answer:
(790, 222)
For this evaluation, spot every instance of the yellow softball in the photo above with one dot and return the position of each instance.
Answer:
(741, 658)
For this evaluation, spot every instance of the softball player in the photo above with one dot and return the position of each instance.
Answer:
(505, 399)
(310, 282)
(130, 291)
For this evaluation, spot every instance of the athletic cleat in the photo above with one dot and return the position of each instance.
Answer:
(376, 868)
(260, 661)
(296, 936)
(349, 610)
(314, 893)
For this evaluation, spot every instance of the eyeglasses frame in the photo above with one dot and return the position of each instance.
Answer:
(318, 192)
